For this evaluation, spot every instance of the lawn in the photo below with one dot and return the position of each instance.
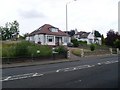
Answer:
(99, 50)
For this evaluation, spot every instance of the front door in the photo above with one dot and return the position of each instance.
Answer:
(58, 40)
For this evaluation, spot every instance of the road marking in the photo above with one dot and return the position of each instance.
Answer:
(7, 78)
(92, 65)
(75, 68)
(99, 63)
(77, 81)
(22, 76)
(110, 62)
(58, 70)
(116, 61)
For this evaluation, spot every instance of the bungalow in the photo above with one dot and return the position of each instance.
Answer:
(49, 35)
(88, 36)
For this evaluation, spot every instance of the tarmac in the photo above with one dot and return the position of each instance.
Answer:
(43, 62)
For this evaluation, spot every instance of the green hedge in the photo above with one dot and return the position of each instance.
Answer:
(25, 49)
(75, 42)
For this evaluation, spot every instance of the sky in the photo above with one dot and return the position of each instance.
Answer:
(83, 15)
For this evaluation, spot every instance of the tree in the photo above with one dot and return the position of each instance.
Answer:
(22, 37)
(103, 39)
(117, 43)
(97, 34)
(111, 37)
(75, 42)
(10, 31)
(71, 33)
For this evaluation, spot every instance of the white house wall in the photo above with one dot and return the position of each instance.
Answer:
(36, 38)
(68, 40)
(27, 38)
(43, 39)
(32, 38)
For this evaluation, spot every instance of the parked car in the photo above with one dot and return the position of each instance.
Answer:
(70, 44)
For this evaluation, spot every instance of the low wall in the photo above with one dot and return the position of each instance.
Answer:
(24, 59)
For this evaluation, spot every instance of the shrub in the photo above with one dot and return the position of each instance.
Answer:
(44, 51)
(75, 42)
(117, 43)
(61, 50)
(82, 42)
(25, 49)
(92, 47)
(8, 50)
(21, 49)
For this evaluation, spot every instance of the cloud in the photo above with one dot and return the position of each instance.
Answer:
(31, 14)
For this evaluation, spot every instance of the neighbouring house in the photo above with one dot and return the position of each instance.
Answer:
(49, 35)
(82, 36)
(88, 36)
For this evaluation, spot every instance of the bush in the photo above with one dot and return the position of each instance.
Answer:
(75, 42)
(92, 47)
(44, 51)
(25, 49)
(8, 50)
(61, 50)
(21, 49)
(117, 43)
(82, 42)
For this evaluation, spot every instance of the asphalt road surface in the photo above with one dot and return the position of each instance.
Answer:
(97, 72)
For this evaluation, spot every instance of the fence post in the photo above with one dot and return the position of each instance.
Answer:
(110, 50)
(117, 50)
(68, 54)
(82, 53)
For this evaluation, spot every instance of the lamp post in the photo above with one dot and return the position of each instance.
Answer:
(67, 14)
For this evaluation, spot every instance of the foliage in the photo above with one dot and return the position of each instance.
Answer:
(61, 50)
(111, 37)
(75, 42)
(10, 31)
(43, 51)
(82, 42)
(71, 33)
(117, 43)
(97, 34)
(102, 39)
(23, 37)
(21, 49)
(92, 47)
(25, 49)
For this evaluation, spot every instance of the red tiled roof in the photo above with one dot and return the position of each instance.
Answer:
(45, 29)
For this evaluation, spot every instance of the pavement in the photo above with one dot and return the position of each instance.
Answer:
(43, 62)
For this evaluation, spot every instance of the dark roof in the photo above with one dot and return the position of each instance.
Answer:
(83, 34)
(45, 29)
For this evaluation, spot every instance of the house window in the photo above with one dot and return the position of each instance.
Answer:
(65, 39)
(50, 38)
(53, 29)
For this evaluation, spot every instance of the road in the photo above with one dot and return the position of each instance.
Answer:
(97, 72)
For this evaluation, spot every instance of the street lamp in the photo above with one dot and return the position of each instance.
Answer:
(67, 14)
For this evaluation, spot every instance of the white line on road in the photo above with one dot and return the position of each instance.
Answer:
(58, 70)
(7, 78)
(99, 63)
(22, 76)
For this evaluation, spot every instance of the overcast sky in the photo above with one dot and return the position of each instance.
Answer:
(85, 15)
